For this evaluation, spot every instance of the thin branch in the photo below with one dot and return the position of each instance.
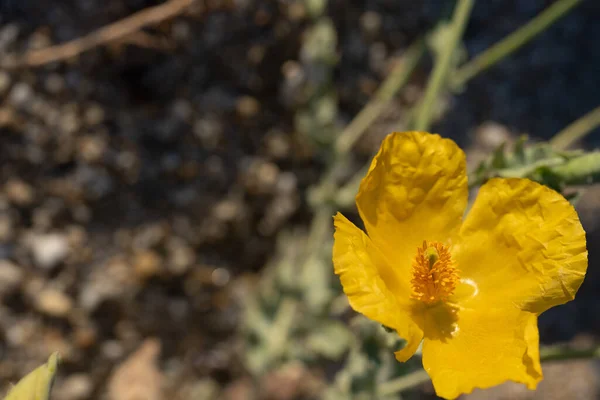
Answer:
(512, 42)
(442, 67)
(112, 32)
(386, 92)
(576, 130)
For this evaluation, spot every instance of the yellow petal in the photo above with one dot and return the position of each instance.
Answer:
(371, 285)
(522, 243)
(415, 190)
(532, 337)
(488, 347)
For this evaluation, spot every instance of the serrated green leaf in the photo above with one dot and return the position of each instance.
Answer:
(499, 158)
(584, 169)
(330, 340)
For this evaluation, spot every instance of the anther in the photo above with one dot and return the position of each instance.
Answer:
(434, 275)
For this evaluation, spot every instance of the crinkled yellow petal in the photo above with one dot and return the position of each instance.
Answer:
(415, 190)
(522, 243)
(488, 347)
(532, 337)
(371, 285)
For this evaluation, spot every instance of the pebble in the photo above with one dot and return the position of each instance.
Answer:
(93, 115)
(54, 83)
(371, 22)
(6, 228)
(8, 34)
(75, 387)
(490, 135)
(247, 106)
(54, 303)
(48, 250)
(277, 145)
(261, 177)
(209, 131)
(21, 332)
(180, 256)
(92, 148)
(19, 192)
(4, 82)
(147, 264)
(20, 95)
(11, 277)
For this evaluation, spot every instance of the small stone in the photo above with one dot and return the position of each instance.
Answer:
(4, 82)
(20, 95)
(247, 106)
(112, 349)
(6, 228)
(92, 148)
(149, 236)
(490, 135)
(209, 131)
(256, 54)
(113, 280)
(19, 192)
(69, 122)
(262, 177)
(54, 303)
(85, 337)
(220, 277)
(181, 31)
(181, 256)
(296, 11)
(93, 115)
(277, 145)
(11, 277)
(8, 35)
(39, 39)
(370, 22)
(287, 183)
(48, 250)
(75, 387)
(182, 109)
(54, 83)
(227, 210)
(147, 264)
(21, 332)
(293, 71)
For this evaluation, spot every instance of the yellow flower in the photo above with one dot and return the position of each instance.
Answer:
(471, 290)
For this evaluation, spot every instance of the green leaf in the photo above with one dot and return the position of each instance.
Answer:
(331, 340)
(584, 169)
(38, 383)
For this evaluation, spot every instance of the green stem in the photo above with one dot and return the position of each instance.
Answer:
(551, 353)
(440, 71)
(555, 353)
(386, 92)
(576, 130)
(513, 41)
(403, 383)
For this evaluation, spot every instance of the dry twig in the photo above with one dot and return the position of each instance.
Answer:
(115, 31)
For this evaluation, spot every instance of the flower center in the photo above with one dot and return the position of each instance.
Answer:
(434, 275)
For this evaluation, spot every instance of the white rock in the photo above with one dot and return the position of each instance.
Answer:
(49, 250)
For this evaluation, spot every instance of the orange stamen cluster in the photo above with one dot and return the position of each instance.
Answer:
(434, 275)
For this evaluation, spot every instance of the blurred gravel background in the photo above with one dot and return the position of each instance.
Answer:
(142, 189)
